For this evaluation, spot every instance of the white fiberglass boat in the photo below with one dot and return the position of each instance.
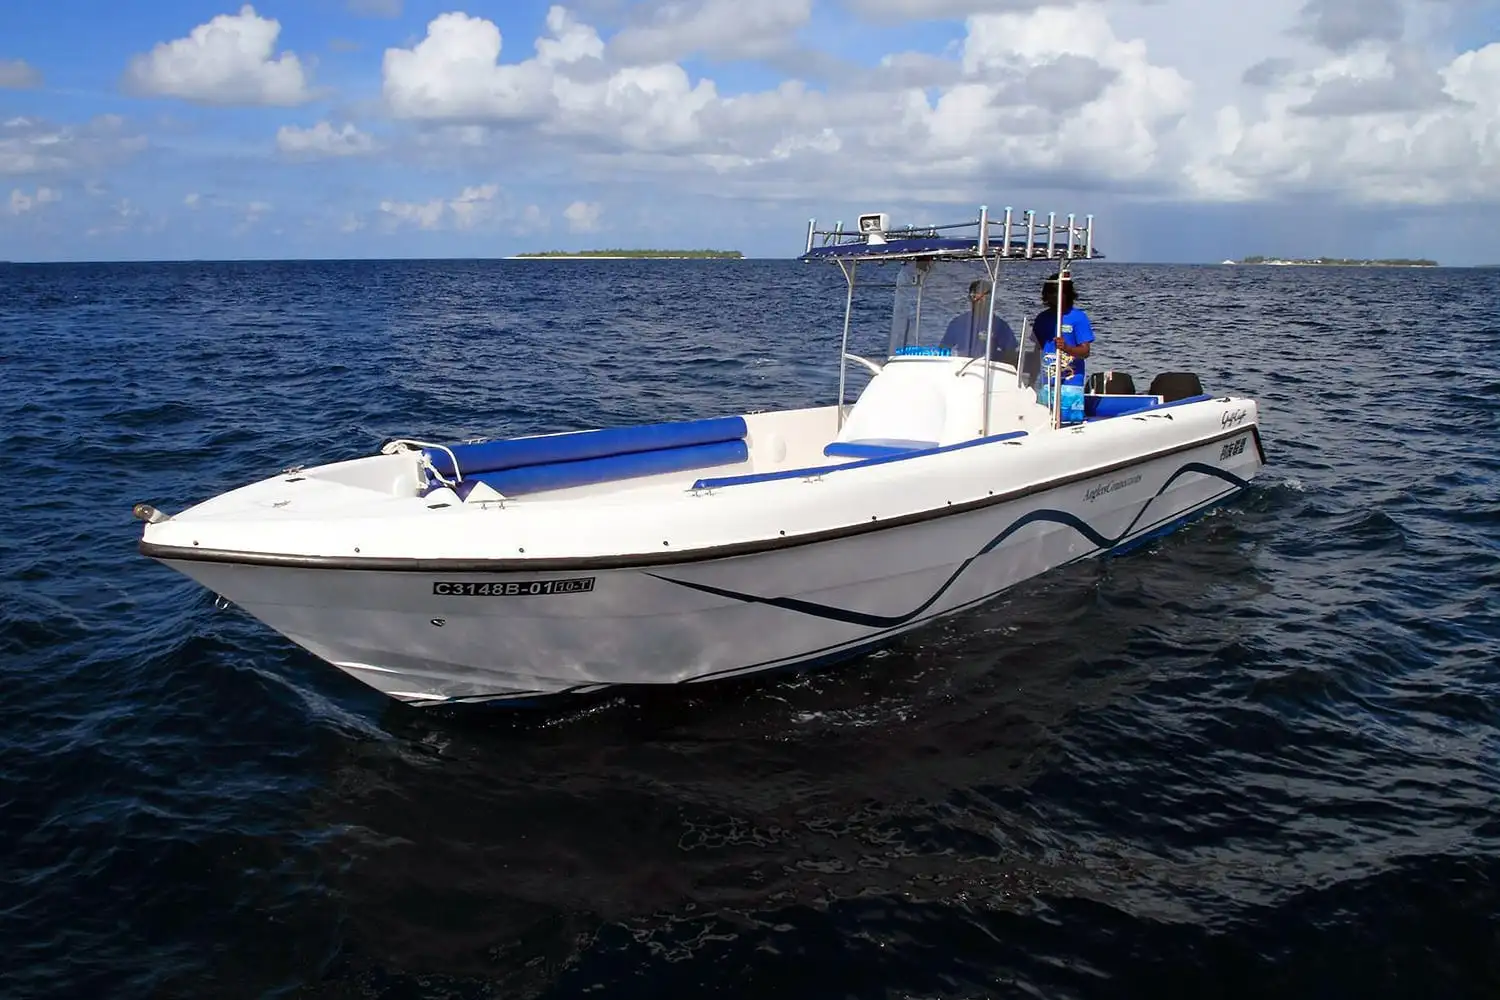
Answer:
(694, 550)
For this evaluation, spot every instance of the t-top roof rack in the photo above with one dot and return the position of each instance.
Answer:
(1019, 237)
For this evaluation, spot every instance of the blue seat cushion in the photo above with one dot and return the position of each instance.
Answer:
(1115, 406)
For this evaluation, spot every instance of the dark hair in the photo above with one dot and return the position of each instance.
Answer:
(1069, 290)
(977, 284)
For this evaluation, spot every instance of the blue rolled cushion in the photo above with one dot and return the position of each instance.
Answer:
(561, 475)
(515, 453)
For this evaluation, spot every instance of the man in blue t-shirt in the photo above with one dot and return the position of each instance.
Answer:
(966, 330)
(1077, 332)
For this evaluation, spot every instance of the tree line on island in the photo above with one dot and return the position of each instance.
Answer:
(1345, 261)
(693, 254)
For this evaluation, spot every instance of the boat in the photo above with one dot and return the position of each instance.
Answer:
(517, 569)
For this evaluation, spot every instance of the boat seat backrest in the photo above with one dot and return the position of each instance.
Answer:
(1111, 383)
(1172, 386)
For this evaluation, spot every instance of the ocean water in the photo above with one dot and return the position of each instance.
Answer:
(1257, 758)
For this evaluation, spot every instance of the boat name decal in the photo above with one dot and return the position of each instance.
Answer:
(514, 588)
(1233, 448)
(1233, 419)
(1095, 492)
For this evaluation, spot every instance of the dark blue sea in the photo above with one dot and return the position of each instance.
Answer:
(1259, 758)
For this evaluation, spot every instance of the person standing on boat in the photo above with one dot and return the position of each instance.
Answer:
(966, 330)
(1077, 331)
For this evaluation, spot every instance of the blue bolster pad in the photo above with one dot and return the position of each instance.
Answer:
(561, 475)
(514, 453)
(1114, 406)
(874, 448)
(1159, 406)
(766, 477)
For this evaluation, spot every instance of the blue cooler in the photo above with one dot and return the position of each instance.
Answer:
(1072, 395)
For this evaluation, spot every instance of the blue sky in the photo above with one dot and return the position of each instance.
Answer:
(1193, 130)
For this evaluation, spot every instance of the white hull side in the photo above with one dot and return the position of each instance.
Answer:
(694, 621)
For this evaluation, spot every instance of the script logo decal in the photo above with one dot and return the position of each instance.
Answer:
(1233, 419)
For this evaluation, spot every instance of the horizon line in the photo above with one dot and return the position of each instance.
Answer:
(1224, 262)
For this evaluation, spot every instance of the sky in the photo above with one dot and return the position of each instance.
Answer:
(1193, 130)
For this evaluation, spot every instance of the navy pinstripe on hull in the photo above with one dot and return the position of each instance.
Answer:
(1063, 517)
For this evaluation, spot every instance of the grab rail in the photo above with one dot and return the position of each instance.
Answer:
(426, 463)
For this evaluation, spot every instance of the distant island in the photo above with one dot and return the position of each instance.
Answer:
(621, 254)
(1340, 261)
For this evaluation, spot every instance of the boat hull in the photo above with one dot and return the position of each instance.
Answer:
(439, 637)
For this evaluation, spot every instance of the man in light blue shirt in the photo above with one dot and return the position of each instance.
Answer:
(965, 331)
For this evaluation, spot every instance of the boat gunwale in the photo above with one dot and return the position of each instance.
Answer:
(630, 560)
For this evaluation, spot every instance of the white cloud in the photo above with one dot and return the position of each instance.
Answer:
(453, 75)
(453, 72)
(192, 199)
(323, 140)
(18, 74)
(1059, 91)
(424, 215)
(228, 60)
(472, 207)
(35, 146)
(583, 216)
(1049, 89)
(1044, 103)
(531, 220)
(1170, 99)
(21, 202)
(1341, 25)
(727, 29)
(1366, 125)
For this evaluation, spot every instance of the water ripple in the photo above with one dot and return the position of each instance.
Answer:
(1255, 758)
